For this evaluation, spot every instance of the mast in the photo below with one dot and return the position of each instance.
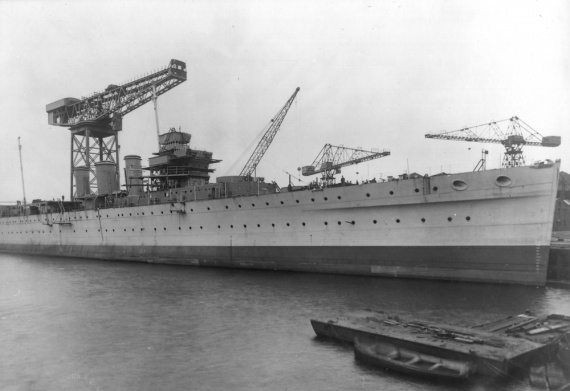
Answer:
(156, 115)
(22, 171)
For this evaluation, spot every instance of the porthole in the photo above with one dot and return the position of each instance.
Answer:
(468, 218)
(272, 224)
(459, 185)
(201, 227)
(304, 224)
(417, 190)
(258, 225)
(281, 202)
(155, 229)
(288, 224)
(503, 181)
(297, 201)
(398, 221)
(208, 208)
(219, 226)
(326, 199)
(253, 205)
(151, 213)
(367, 194)
(449, 219)
(391, 192)
(267, 203)
(245, 225)
(339, 223)
(423, 220)
(312, 199)
(161, 212)
(239, 206)
(374, 221)
(435, 188)
(339, 197)
(326, 223)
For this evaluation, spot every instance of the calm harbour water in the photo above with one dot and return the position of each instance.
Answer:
(75, 324)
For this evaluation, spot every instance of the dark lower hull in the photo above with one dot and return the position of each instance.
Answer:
(496, 264)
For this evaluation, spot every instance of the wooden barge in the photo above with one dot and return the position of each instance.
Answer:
(488, 353)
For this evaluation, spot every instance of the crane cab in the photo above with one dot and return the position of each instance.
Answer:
(177, 69)
(551, 141)
(57, 111)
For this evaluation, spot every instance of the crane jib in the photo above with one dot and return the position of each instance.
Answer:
(267, 138)
(513, 137)
(116, 101)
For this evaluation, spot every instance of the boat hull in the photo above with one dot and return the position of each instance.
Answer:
(480, 264)
(465, 227)
(385, 355)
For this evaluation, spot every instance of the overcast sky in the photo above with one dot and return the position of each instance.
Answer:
(373, 74)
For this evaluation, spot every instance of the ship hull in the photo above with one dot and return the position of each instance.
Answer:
(458, 263)
(496, 228)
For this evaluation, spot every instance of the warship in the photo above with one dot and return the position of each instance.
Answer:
(483, 226)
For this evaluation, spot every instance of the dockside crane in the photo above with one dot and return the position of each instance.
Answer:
(332, 158)
(271, 130)
(95, 121)
(513, 133)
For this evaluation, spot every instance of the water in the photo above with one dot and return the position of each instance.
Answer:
(73, 324)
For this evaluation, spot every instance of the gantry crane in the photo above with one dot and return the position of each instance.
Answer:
(272, 129)
(95, 121)
(513, 133)
(332, 158)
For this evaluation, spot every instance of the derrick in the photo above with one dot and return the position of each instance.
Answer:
(332, 158)
(272, 129)
(512, 133)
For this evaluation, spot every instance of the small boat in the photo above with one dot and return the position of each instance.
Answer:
(387, 355)
(564, 353)
(548, 376)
